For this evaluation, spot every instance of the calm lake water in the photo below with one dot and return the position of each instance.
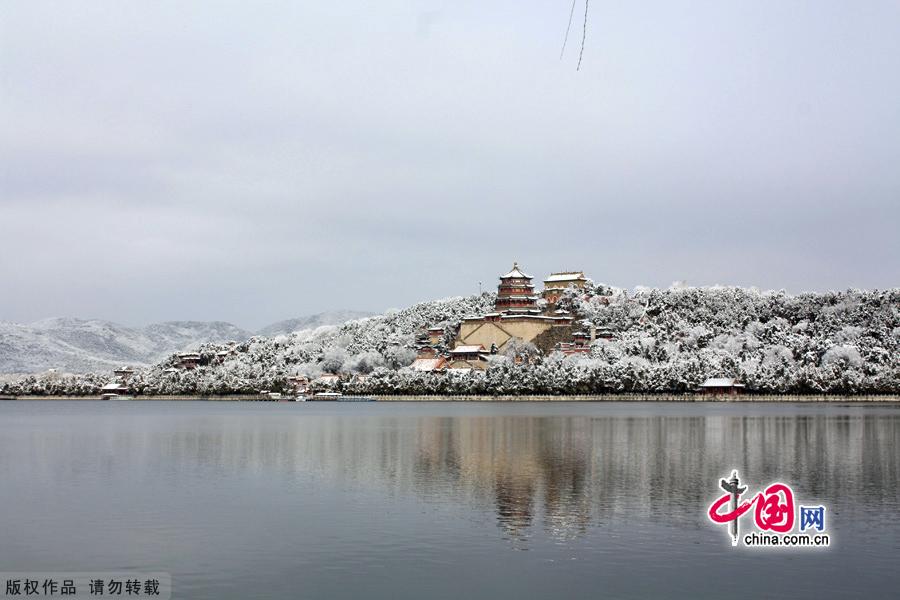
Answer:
(384, 500)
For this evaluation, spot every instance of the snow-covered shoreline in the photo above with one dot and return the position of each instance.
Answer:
(620, 397)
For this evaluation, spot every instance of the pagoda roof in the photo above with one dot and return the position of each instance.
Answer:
(516, 273)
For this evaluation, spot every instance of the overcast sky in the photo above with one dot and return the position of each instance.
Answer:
(254, 161)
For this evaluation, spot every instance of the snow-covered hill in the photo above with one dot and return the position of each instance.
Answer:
(333, 317)
(664, 341)
(79, 345)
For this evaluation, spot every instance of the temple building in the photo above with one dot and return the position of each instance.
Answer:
(469, 357)
(557, 283)
(123, 374)
(721, 385)
(188, 360)
(515, 294)
(436, 363)
(435, 334)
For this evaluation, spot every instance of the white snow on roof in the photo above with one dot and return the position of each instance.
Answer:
(427, 364)
(516, 273)
(721, 382)
(114, 387)
(571, 276)
(467, 349)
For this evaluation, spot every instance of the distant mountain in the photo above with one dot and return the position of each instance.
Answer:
(79, 345)
(334, 317)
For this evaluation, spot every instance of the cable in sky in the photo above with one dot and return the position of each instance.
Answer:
(568, 27)
(583, 34)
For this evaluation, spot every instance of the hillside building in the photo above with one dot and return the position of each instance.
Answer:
(188, 360)
(123, 374)
(557, 283)
(469, 357)
(437, 363)
(435, 334)
(517, 314)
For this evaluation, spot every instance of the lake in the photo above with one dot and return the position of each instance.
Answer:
(445, 500)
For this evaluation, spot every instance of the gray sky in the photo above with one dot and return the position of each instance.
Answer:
(251, 162)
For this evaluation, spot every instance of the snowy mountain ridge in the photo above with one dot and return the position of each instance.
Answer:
(70, 344)
(334, 317)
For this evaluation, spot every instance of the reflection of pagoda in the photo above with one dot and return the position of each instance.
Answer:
(515, 294)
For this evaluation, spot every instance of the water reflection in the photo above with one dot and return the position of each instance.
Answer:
(560, 475)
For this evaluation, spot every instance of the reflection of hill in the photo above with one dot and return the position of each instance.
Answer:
(578, 470)
(564, 474)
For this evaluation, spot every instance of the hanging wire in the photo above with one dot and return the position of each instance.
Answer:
(583, 34)
(568, 27)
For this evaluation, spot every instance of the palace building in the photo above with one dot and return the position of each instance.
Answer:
(516, 315)
(519, 314)
(557, 283)
(468, 357)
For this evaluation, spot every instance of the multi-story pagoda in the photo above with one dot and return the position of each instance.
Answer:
(515, 294)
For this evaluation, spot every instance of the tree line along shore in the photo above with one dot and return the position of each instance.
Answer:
(621, 397)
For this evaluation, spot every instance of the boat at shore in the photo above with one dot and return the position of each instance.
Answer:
(337, 397)
(326, 396)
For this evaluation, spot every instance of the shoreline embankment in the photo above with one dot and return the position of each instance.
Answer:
(623, 397)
